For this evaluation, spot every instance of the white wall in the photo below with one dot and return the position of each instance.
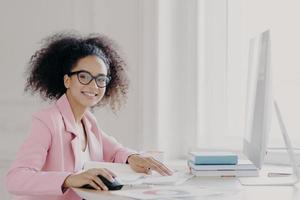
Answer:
(177, 77)
(214, 85)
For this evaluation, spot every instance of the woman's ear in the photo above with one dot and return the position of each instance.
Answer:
(67, 81)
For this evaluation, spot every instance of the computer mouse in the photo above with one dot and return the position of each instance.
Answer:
(115, 185)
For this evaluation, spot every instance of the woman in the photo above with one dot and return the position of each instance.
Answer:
(80, 73)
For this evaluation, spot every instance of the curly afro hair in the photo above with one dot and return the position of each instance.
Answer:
(59, 54)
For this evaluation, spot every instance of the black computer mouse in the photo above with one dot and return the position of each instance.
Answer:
(115, 185)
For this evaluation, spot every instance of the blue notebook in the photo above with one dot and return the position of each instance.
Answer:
(213, 158)
(245, 165)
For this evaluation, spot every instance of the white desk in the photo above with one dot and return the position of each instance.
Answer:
(231, 186)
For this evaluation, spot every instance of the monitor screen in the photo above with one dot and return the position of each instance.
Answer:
(259, 99)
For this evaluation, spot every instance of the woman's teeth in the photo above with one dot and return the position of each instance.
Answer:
(90, 94)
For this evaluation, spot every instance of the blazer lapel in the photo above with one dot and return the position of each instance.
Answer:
(76, 150)
(69, 121)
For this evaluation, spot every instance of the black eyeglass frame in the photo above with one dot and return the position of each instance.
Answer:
(108, 78)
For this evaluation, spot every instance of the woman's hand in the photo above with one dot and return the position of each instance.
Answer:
(143, 164)
(89, 177)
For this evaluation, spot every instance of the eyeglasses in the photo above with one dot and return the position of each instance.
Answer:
(85, 77)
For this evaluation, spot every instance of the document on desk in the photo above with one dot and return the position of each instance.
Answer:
(127, 176)
(181, 192)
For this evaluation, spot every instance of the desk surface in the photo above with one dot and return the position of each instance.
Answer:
(223, 188)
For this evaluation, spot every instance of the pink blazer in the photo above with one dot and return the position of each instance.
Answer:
(51, 153)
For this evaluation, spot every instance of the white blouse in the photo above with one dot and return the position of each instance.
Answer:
(85, 155)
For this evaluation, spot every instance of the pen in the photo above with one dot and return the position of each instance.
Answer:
(228, 176)
(277, 174)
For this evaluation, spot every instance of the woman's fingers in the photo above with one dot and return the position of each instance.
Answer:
(103, 172)
(145, 164)
(90, 177)
(159, 167)
(94, 185)
(152, 164)
(97, 180)
(110, 172)
(139, 168)
(148, 170)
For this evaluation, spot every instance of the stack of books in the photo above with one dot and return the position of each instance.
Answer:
(222, 164)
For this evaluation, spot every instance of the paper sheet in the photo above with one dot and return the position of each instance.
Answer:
(127, 176)
(182, 192)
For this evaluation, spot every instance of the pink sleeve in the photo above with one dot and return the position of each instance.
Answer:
(25, 176)
(114, 151)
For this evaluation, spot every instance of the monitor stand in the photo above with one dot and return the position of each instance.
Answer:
(277, 181)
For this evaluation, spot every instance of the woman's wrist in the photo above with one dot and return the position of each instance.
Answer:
(66, 185)
(130, 156)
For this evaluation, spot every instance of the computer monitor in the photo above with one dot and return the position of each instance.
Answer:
(259, 99)
(259, 113)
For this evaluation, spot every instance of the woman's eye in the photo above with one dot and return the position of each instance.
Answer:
(83, 76)
(102, 79)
